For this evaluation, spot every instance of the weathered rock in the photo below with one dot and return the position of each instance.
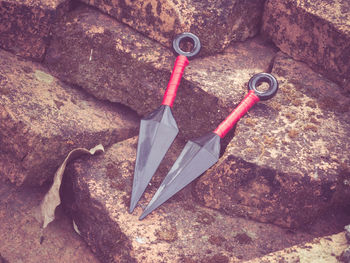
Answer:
(345, 256)
(216, 23)
(114, 62)
(347, 232)
(22, 239)
(289, 159)
(97, 194)
(25, 25)
(41, 120)
(323, 249)
(316, 32)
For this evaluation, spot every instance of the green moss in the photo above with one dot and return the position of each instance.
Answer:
(270, 141)
(118, 185)
(167, 233)
(126, 200)
(296, 102)
(116, 179)
(217, 240)
(27, 69)
(250, 122)
(328, 103)
(205, 218)
(275, 105)
(243, 238)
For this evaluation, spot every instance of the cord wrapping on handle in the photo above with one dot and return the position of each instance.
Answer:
(224, 127)
(169, 96)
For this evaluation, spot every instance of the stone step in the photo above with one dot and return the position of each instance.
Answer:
(23, 241)
(299, 137)
(216, 23)
(296, 27)
(324, 249)
(25, 26)
(287, 164)
(42, 120)
(115, 63)
(97, 195)
(289, 159)
(316, 32)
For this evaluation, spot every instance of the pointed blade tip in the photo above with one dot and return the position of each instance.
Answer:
(145, 213)
(143, 216)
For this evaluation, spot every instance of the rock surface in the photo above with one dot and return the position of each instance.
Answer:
(115, 63)
(231, 20)
(25, 26)
(316, 32)
(345, 256)
(178, 231)
(347, 232)
(41, 120)
(324, 249)
(289, 159)
(22, 240)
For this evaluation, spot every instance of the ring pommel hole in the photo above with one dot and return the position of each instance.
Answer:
(186, 44)
(262, 86)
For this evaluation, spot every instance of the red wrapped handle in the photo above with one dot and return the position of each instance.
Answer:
(250, 99)
(169, 96)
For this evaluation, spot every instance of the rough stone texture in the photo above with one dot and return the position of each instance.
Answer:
(178, 231)
(324, 249)
(22, 240)
(345, 256)
(114, 62)
(231, 20)
(289, 159)
(41, 120)
(347, 232)
(25, 25)
(316, 32)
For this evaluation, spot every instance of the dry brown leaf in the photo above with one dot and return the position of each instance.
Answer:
(46, 213)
